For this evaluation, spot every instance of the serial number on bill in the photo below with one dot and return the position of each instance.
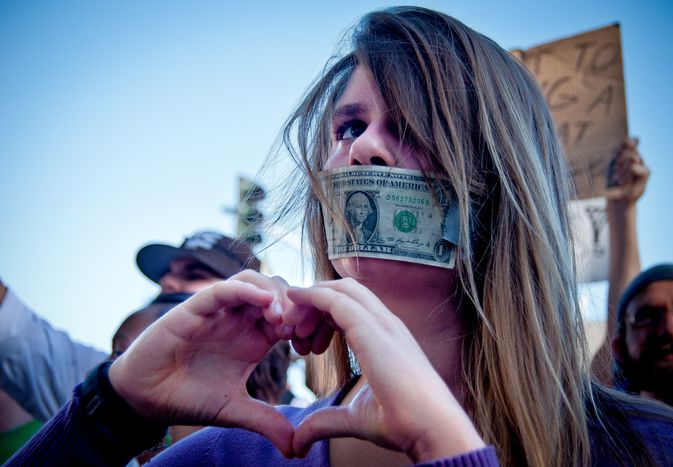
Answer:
(407, 199)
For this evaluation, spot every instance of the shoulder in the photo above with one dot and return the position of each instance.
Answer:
(653, 421)
(629, 421)
(13, 314)
(648, 416)
(238, 447)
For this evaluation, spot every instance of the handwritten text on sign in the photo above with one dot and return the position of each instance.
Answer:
(583, 81)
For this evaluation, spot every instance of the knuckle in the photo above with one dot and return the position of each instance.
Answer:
(223, 285)
(350, 282)
(246, 274)
(280, 281)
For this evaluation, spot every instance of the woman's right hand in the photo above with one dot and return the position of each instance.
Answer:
(190, 367)
(404, 404)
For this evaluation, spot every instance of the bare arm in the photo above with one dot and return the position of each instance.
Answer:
(39, 365)
(630, 177)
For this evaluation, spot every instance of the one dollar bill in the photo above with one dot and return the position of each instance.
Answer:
(389, 213)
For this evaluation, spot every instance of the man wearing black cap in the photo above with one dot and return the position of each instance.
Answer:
(202, 259)
(643, 345)
(39, 366)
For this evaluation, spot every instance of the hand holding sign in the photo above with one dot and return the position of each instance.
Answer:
(628, 174)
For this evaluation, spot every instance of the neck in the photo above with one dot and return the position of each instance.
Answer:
(434, 318)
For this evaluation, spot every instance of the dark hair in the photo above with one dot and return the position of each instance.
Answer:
(268, 380)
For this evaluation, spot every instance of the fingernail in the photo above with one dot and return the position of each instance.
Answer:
(276, 308)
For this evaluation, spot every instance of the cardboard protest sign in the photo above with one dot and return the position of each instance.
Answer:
(583, 81)
(589, 221)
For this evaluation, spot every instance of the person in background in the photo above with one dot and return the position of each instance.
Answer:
(40, 365)
(478, 365)
(643, 343)
(201, 260)
(20, 370)
(16, 426)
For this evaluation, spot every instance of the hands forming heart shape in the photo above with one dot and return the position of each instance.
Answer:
(191, 366)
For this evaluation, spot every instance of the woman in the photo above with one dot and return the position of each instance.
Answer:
(451, 360)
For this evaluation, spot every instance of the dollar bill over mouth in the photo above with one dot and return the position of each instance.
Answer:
(390, 213)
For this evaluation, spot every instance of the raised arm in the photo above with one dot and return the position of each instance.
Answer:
(39, 365)
(629, 178)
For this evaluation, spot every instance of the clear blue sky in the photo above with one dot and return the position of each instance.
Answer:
(130, 121)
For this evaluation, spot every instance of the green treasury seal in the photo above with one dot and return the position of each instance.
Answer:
(405, 221)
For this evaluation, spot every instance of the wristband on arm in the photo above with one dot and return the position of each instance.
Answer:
(110, 412)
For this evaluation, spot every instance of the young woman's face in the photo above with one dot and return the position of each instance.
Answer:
(363, 133)
(362, 130)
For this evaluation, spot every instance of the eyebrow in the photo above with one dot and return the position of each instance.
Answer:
(349, 110)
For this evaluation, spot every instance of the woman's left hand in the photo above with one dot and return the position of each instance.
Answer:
(405, 405)
(191, 366)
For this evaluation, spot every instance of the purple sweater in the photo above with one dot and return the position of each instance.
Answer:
(237, 447)
(71, 438)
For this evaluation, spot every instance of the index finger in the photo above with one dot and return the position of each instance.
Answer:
(227, 294)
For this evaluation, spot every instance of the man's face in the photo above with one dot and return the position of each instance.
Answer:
(359, 207)
(648, 335)
(187, 275)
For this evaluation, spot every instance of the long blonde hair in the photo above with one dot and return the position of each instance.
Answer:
(480, 119)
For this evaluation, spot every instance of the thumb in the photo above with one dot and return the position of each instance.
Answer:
(330, 422)
(263, 419)
(641, 172)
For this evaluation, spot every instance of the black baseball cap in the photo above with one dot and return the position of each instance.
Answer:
(224, 255)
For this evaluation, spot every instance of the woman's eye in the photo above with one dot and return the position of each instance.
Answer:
(350, 130)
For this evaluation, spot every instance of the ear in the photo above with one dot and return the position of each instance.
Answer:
(618, 349)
